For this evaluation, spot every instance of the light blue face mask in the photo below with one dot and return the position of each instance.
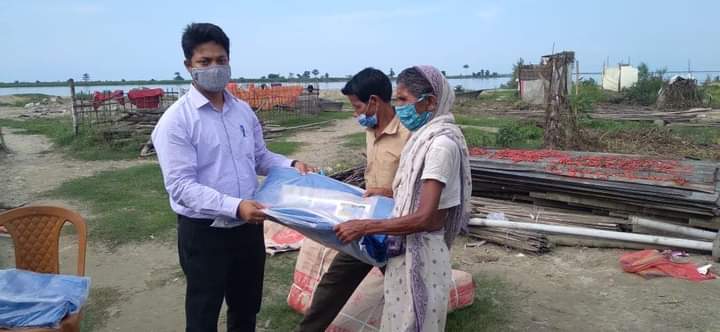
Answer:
(367, 121)
(410, 118)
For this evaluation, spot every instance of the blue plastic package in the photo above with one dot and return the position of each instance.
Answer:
(313, 204)
(30, 299)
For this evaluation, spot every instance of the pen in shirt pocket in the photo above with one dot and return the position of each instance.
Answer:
(243, 130)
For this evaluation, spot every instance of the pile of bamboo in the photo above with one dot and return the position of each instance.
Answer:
(616, 185)
(527, 241)
(354, 176)
(693, 117)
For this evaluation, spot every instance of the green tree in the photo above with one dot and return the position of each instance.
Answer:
(327, 75)
(392, 73)
(466, 68)
(643, 72)
(86, 77)
(306, 74)
(443, 72)
(315, 72)
(178, 77)
(513, 82)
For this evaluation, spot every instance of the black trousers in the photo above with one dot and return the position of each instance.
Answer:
(221, 263)
(335, 288)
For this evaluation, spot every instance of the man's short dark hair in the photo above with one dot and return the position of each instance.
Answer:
(200, 33)
(368, 82)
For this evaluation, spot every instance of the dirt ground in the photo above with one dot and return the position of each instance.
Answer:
(322, 147)
(569, 289)
(573, 289)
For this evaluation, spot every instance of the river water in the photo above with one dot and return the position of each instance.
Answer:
(466, 83)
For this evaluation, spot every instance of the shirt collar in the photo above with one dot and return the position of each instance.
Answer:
(392, 127)
(198, 100)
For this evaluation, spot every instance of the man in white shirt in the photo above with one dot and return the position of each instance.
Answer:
(211, 150)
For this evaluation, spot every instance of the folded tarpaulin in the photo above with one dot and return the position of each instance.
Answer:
(313, 204)
(29, 299)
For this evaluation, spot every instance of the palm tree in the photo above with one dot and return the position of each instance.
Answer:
(315, 72)
(466, 67)
(86, 77)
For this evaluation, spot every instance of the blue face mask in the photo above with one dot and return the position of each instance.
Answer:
(410, 118)
(367, 121)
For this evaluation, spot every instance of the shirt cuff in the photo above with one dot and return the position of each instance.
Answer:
(230, 206)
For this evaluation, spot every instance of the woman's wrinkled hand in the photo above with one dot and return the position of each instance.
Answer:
(351, 230)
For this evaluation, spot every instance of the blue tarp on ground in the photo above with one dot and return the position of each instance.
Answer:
(313, 204)
(29, 299)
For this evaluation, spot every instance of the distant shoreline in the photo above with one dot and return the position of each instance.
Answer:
(185, 82)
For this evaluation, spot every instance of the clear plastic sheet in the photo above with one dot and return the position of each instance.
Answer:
(313, 204)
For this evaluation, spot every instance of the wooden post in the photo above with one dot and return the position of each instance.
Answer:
(560, 123)
(73, 110)
(577, 77)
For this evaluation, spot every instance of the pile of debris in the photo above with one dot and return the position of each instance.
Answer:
(47, 106)
(594, 199)
(705, 117)
(679, 93)
(354, 176)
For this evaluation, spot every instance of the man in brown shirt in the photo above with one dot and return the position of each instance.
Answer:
(369, 92)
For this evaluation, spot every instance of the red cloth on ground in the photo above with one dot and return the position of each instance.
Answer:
(651, 263)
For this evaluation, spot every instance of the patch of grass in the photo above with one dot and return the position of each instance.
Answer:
(291, 120)
(479, 138)
(698, 135)
(88, 145)
(283, 146)
(355, 141)
(484, 121)
(275, 313)
(520, 135)
(613, 126)
(512, 133)
(489, 312)
(127, 205)
(95, 311)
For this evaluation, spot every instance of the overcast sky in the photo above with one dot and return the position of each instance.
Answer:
(55, 40)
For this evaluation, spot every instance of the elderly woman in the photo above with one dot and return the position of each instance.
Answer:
(431, 190)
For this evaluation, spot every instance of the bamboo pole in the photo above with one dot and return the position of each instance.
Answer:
(596, 233)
